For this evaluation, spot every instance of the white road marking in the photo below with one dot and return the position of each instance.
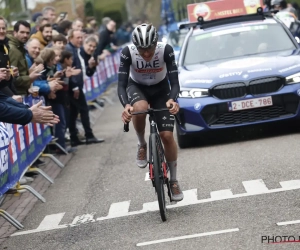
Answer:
(120, 208)
(147, 177)
(288, 223)
(187, 237)
(85, 218)
(150, 206)
(289, 184)
(255, 186)
(51, 221)
(153, 206)
(226, 193)
(38, 231)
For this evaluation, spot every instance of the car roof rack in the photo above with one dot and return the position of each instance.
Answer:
(258, 16)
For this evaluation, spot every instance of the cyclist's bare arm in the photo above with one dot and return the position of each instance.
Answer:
(172, 70)
(124, 75)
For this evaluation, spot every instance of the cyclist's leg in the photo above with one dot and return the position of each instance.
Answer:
(165, 125)
(139, 102)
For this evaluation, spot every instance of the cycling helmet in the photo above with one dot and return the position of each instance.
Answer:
(275, 2)
(144, 36)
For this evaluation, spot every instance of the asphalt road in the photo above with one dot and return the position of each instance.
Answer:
(101, 200)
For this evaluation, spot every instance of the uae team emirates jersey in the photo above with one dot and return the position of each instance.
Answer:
(148, 73)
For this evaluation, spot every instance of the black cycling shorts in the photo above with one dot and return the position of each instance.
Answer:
(156, 95)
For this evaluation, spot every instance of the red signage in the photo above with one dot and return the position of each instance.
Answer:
(222, 8)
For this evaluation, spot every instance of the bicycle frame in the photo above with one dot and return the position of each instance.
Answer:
(153, 130)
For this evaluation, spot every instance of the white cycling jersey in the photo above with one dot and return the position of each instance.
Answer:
(148, 73)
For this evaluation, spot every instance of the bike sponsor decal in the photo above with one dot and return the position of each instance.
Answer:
(148, 77)
(199, 81)
(173, 71)
(174, 63)
(124, 73)
(171, 54)
(231, 74)
(242, 63)
(149, 71)
(289, 68)
(124, 56)
(168, 125)
(121, 64)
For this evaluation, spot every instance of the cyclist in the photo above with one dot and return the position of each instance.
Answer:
(146, 68)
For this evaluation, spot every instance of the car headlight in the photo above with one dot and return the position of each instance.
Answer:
(193, 93)
(293, 79)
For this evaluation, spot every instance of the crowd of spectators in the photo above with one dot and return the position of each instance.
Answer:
(54, 57)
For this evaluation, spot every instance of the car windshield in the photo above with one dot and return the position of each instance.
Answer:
(176, 38)
(236, 42)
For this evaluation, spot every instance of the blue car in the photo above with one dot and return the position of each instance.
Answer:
(176, 37)
(236, 72)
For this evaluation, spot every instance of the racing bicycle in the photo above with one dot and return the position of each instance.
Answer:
(158, 169)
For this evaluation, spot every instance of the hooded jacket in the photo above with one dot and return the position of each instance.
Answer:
(17, 54)
(38, 35)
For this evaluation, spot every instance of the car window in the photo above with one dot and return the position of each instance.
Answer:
(238, 41)
(176, 38)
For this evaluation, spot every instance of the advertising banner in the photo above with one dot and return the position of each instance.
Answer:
(222, 9)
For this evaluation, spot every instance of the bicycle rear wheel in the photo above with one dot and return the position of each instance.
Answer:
(158, 176)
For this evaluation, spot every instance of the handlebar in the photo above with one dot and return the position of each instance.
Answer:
(126, 125)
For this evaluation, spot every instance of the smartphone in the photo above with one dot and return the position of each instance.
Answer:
(62, 15)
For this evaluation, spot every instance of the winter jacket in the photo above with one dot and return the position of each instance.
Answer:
(17, 57)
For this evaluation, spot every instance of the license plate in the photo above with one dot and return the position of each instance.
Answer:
(251, 103)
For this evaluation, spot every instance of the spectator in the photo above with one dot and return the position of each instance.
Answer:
(17, 54)
(40, 21)
(105, 38)
(44, 35)
(59, 41)
(49, 13)
(58, 105)
(66, 61)
(296, 7)
(6, 80)
(33, 51)
(105, 21)
(77, 25)
(64, 27)
(77, 98)
(123, 34)
(87, 32)
(91, 23)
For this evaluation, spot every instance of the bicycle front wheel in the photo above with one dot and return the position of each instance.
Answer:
(158, 176)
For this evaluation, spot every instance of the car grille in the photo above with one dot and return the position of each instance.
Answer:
(253, 115)
(230, 90)
(266, 85)
(255, 87)
(218, 114)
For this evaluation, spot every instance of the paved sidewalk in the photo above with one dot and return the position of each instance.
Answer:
(20, 205)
